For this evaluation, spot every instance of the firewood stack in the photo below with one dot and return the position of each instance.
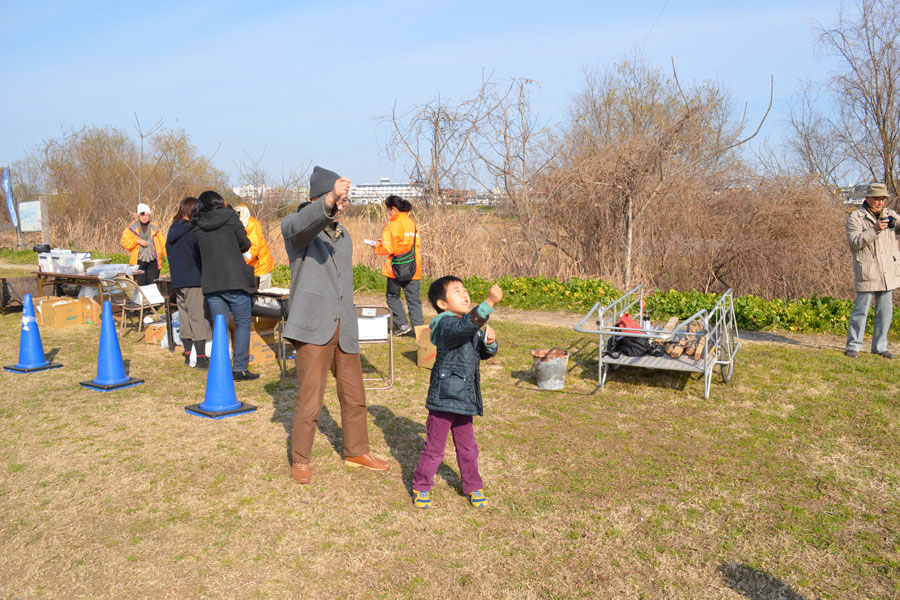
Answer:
(684, 344)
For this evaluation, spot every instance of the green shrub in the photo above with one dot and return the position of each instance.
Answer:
(281, 276)
(809, 315)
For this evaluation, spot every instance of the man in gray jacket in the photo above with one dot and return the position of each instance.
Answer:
(872, 233)
(323, 324)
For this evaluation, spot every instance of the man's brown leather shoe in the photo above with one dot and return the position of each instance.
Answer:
(301, 473)
(367, 461)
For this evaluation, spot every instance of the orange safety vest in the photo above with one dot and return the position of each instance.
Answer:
(260, 258)
(397, 238)
(132, 234)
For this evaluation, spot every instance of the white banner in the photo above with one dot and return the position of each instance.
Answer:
(30, 215)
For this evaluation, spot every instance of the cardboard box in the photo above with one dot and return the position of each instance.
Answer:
(426, 352)
(59, 313)
(91, 311)
(154, 332)
(262, 339)
(262, 348)
(265, 327)
(36, 301)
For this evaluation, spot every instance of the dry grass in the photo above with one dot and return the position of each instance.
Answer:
(452, 241)
(642, 490)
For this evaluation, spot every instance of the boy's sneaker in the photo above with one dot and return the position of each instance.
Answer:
(477, 499)
(421, 499)
(402, 330)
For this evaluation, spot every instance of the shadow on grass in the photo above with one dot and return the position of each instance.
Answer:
(411, 355)
(584, 355)
(756, 585)
(369, 369)
(283, 397)
(404, 439)
(52, 354)
(583, 362)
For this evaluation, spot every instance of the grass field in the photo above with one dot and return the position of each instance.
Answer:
(784, 484)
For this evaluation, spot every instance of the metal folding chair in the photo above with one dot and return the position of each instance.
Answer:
(133, 300)
(375, 326)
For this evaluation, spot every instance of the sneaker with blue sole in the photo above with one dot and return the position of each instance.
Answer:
(421, 499)
(477, 499)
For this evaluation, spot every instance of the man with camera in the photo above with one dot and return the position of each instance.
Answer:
(872, 233)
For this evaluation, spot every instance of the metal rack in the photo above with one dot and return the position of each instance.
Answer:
(381, 336)
(718, 330)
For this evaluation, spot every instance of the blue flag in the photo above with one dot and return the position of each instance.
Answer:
(7, 188)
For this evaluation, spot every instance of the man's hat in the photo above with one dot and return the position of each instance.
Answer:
(143, 208)
(876, 190)
(321, 182)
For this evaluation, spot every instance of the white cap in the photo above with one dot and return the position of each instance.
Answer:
(143, 208)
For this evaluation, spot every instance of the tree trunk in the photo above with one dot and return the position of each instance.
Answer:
(629, 238)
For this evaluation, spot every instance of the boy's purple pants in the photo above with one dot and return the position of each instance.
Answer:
(437, 426)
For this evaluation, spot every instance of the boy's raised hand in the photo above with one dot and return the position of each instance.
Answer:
(495, 294)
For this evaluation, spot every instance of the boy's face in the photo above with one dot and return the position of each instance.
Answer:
(457, 299)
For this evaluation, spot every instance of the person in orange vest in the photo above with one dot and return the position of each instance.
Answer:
(144, 240)
(258, 256)
(401, 244)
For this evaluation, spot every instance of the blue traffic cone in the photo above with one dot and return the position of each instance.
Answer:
(220, 400)
(110, 368)
(31, 350)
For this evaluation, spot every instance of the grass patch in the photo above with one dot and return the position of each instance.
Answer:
(19, 257)
(786, 479)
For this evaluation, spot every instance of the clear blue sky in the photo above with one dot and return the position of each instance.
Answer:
(305, 80)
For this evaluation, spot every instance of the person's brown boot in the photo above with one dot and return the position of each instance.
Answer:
(300, 473)
(367, 461)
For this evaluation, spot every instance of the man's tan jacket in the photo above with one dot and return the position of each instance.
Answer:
(876, 258)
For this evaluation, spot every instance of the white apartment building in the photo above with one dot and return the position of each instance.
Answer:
(375, 193)
(251, 192)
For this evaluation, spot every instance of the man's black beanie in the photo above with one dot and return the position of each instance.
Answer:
(321, 182)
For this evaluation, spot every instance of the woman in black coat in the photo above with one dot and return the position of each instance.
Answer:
(227, 280)
(185, 268)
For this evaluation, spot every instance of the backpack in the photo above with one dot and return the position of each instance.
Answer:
(626, 323)
(626, 345)
(404, 265)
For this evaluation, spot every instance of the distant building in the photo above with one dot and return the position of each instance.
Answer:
(484, 197)
(854, 194)
(264, 193)
(455, 196)
(251, 192)
(376, 193)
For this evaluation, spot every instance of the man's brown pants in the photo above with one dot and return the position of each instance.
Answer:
(313, 364)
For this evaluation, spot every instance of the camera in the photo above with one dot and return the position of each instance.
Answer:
(892, 221)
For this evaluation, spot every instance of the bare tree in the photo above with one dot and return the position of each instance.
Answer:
(633, 132)
(436, 137)
(511, 151)
(866, 87)
(268, 194)
(816, 142)
(91, 177)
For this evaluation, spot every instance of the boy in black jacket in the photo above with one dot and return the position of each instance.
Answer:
(454, 393)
